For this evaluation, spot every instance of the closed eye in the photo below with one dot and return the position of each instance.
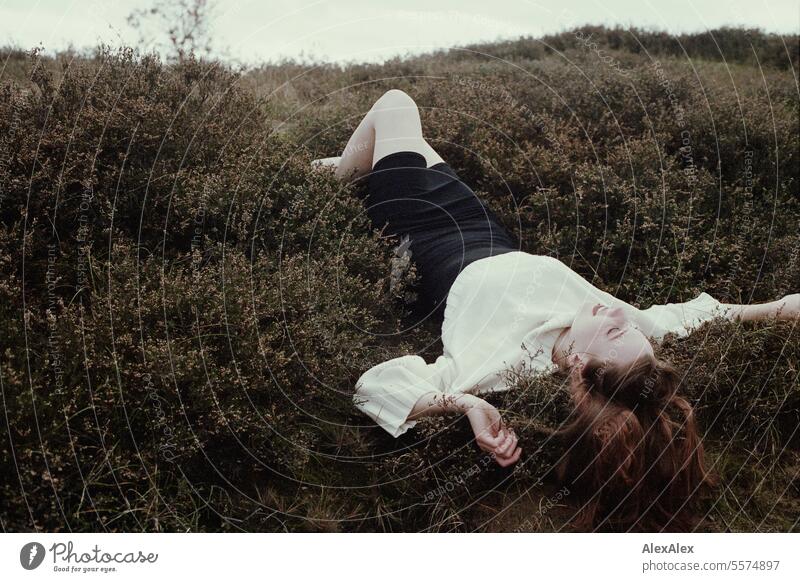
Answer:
(614, 329)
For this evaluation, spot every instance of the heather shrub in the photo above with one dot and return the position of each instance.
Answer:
(185, 306)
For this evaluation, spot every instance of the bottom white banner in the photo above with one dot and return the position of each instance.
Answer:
(388, 557)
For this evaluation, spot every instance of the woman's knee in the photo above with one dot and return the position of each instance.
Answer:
(398, 127)
(395, 113)
(395, 99)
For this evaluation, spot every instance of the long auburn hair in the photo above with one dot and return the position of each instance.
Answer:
(634, 459)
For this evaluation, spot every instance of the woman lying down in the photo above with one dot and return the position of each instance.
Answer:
(503, 307)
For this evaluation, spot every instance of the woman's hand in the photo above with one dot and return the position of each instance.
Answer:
(790, 307)
(491, 434)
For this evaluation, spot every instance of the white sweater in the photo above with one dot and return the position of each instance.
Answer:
(501, 312)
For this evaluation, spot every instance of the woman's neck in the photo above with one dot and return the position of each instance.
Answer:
(557, 354)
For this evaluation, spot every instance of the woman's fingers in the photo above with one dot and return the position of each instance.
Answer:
(495, 420)
(504, 449)
(491, 439)
(508, 445)
(488, 442)
(490, 432)
(510, 460)
(503, 446)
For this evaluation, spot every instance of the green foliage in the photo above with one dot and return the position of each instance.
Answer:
(185, 307)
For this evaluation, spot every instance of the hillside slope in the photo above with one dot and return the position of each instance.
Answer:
(185, 307)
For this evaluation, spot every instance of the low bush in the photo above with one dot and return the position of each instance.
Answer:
(185, 306)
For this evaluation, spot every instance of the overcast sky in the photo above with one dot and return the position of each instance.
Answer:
(252, 31)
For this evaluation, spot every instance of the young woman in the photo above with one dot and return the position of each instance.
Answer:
(504, 308)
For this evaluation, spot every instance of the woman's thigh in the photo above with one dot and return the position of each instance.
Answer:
(398, 128)
(405, 144)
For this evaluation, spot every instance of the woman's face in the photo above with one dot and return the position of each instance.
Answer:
(606, 334)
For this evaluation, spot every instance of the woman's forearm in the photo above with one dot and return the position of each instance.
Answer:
(782, 308)
(435, 403)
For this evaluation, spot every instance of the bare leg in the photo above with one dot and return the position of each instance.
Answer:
(327, 162)
(398, 128)
(357, 154)
(391, 125)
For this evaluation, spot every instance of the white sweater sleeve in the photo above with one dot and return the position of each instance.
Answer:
(388, 392)
(680, 318)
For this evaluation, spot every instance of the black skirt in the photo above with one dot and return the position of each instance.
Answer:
(448, 224)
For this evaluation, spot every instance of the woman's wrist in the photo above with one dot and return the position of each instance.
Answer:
(464, 402)
(432, 403)
(457, 402)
